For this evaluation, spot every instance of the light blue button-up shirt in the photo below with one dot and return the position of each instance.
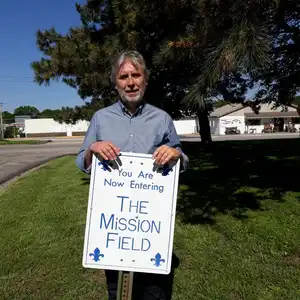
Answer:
(143, 132)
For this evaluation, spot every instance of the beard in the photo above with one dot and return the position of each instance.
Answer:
(135, 100)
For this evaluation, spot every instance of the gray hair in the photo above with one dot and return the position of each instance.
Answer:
(135, 57)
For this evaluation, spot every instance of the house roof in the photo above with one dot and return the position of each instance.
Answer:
(286, 114)
(226, 109)
(265, 112)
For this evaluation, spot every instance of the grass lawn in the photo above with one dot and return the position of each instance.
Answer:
(14, 142)
(236, 237)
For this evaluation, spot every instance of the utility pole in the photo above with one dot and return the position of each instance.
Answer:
(1, 124)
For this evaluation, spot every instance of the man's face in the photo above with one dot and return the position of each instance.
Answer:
(130, 82)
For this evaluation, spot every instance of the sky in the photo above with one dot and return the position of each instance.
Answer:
(19, 21)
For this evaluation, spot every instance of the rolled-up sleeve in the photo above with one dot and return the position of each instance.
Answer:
(174, 141)
(90, 137)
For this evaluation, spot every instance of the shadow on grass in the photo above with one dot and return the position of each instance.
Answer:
(236, 177)
(86, 180)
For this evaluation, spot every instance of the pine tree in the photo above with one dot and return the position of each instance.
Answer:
(82, 58)
(195, 50)
(280, 81)
(228, 43)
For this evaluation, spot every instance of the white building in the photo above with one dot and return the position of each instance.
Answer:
(228, 116)
(246, 121)
(51, 128)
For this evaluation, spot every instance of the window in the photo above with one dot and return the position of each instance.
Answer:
(253, 122)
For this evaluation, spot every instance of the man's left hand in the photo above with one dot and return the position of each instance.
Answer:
(164, 154)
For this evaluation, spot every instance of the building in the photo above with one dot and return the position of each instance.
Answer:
(246, 121)
(49, 128)
(20, 121)
(17, 127)
(232, 116)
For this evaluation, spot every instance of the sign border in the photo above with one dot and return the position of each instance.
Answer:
(166, 270)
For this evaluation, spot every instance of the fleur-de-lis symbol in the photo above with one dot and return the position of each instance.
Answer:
(97, 254)
(104, 165)
(166, 170)
(157, 260)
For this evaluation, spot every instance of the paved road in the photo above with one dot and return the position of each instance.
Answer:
(16, 159)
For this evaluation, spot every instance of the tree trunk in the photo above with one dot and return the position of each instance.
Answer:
(298, 109)
(204, 129)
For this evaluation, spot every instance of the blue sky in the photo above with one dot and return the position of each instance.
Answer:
(19, 21)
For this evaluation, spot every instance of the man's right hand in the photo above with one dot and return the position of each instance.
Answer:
(105, 149)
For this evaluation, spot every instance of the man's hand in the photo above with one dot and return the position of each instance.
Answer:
(107, 150)
(164, 154)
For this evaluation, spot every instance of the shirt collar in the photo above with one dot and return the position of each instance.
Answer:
(125, 111)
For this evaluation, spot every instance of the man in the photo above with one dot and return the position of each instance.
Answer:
(131, 125)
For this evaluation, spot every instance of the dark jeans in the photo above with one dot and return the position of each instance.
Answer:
(145, 286)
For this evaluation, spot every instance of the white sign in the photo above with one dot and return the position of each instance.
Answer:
(131, 215)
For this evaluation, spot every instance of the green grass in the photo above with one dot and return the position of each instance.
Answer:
(237, 230)
(14, 142)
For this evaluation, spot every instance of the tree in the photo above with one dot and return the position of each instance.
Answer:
(70, 115)
(195, 50)
(220, 103)
(49, 113)
(8, 117)
(280, 82)
(83, 57)
(26, 110)
(228, 42)
(296, 101)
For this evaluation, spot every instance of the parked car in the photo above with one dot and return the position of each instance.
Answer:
(268, 128)
(232, 130)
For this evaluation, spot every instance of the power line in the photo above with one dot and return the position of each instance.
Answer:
(1, 123)
(25, 77)
(16, 79)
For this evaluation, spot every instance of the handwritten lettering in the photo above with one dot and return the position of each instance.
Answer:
(125, 173)
(133, 184)
(130, 218)
(145, 175)
(127, 243)
(129, 224)
(113, 183)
